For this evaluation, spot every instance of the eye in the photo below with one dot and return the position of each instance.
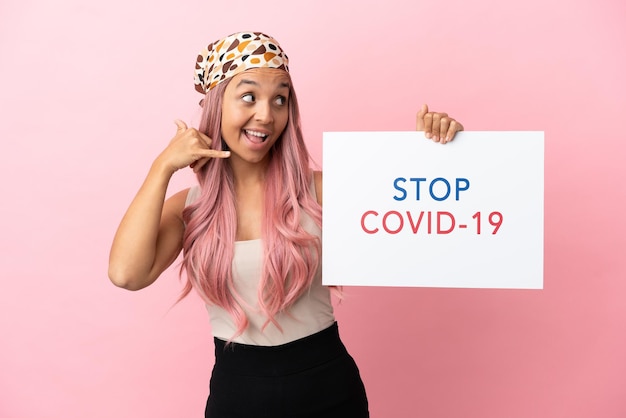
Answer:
(248, 98)
(281, 100)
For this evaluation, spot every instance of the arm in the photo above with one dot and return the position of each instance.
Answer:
(149, 237)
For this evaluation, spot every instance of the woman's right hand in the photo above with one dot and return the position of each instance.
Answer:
(189, 147)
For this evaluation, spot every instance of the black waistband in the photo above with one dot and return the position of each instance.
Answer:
(292, 357)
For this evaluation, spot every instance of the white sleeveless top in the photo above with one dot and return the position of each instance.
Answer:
(311, 313)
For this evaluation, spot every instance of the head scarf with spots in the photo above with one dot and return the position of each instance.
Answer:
(238, 52)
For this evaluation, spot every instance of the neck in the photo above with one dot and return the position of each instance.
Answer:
(248, 174)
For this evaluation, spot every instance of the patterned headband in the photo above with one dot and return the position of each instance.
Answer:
(238, 52)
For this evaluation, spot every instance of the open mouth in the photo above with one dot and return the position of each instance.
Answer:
(256, 137)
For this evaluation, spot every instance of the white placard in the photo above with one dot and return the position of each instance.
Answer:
(402, 210)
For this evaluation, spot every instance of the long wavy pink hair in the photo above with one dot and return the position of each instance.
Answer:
(291, 254)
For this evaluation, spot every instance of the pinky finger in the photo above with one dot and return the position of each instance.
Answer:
(453, 129)
(198, 164)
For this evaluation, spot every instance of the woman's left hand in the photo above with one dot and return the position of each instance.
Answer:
(437, 126)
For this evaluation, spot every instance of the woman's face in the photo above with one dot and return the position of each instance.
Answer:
(255, 110)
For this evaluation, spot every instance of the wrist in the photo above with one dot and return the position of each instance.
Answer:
(162, 168)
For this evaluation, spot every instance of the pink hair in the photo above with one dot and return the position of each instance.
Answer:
(291, 254)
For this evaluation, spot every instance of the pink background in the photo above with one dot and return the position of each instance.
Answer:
(88, 92)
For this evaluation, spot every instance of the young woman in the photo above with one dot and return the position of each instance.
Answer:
(250, 233)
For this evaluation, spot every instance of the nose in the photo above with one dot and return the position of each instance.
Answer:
(263, 112)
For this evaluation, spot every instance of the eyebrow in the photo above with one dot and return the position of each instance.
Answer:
(254, 83)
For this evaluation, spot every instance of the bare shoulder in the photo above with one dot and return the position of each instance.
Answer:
(175, 204)
(317, 176)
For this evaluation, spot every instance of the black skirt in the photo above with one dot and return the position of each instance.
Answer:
(310, 377)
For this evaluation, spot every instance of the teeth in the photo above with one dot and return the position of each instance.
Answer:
(257, 134)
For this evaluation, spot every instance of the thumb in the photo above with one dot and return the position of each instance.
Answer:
(420, 117)
(180, 126)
